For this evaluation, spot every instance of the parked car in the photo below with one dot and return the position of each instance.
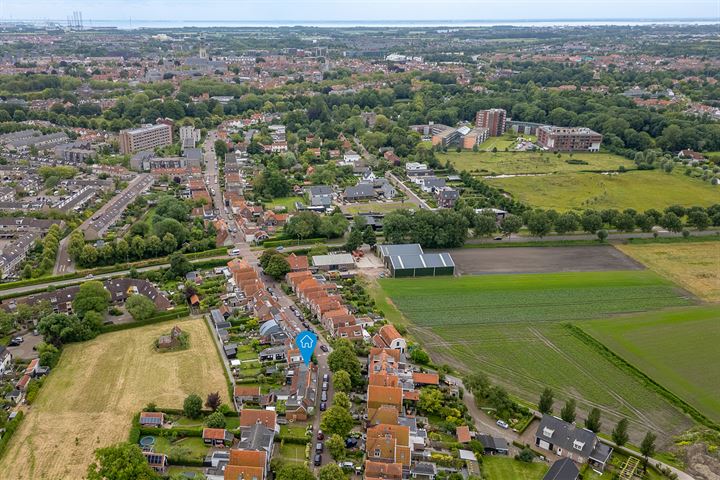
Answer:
(280, 248)
(324, 348)
(323, 406)
(15, 341)
(320, 435)
(325, 386)
(318, 460)
(323, 396)
(502, 424)
(319, 447)
(326, 377)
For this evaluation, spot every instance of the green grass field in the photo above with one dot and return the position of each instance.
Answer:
(501, 143)
(675, 348)
(503, 468)
(640, 190)
(511, 328)
(489, 163)
(501, 299)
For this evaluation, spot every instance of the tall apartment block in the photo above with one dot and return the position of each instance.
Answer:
(145, 138)
(493, 120)
(567, 139)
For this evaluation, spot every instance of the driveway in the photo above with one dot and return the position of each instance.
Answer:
(25, 349)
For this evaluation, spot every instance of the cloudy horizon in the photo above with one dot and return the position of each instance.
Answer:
(223, 11)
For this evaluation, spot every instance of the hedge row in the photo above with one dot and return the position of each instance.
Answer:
(289, 243)
(179, 431)
(134, 435)
(179, 411)
(159, 318)
(207, 253)
(633, 370)
(295, 440)
(185, 462)
(37, 281)
(80, 274)
(230, 383)
(9, 430)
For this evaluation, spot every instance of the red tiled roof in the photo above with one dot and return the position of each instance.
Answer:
(241, 391)
(213, 433)
(249, 417)
(463, 434)
(426, 378)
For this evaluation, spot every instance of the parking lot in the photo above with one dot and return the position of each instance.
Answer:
(479, 261)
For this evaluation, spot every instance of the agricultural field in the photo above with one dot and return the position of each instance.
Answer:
(694, 266)
(105, 381)
(512, 328)
(514, 163)
(504, 468)
(469, 261)
(640, 190)
(674, 348)
(533, 298)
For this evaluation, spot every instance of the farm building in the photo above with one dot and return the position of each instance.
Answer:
(385, 251)
(425, 264)
(334, 261)
(409, 260)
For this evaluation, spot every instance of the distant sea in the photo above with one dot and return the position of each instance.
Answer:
(127, 24)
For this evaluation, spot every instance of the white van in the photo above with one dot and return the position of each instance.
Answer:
(234, 252)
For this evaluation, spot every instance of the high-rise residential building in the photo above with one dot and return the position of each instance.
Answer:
(492, 119)
(569, 139)
(145, 138)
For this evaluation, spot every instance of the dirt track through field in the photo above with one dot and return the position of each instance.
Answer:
(88, 401)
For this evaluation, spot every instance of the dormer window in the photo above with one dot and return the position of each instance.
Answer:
(548, 432)
(578, 445)
(377, 452)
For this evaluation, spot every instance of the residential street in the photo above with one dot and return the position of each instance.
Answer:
(212, 178)
(407, 191)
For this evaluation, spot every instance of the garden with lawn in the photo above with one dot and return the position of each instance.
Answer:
(504, 468)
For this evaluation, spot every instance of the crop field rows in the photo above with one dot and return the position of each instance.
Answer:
(535, 298)
(677, 348)
(525, 359)
(512, 328)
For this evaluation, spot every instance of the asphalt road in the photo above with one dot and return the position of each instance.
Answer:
(405, 189)
(100, 276)
(213, 180)
(104, 217)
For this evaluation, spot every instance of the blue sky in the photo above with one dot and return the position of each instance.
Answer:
(348, 10)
